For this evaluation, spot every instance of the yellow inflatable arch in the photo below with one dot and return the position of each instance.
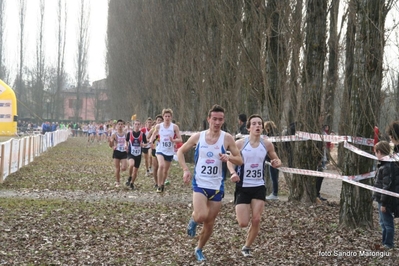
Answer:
(8, 111)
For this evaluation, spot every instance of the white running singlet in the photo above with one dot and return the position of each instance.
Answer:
(209, 171)
(251, 173)
(120, 142)
(165, 145)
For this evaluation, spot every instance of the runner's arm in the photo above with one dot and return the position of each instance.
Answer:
(188, 145)
(154, 133)
(274, 159)
(231, 167)
(235, 156)
(177, 134)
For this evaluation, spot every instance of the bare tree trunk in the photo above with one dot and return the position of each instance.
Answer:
(20, 87)
(365, 101)
(296, 38)
(277, 59)
(396, 117)
(349, 66)
(309, 154)
(83, 44)
(287, 149)
(332, 72)
(253, 25)
(39, 76)
(3, 71)
(276, 63)
(61, 42)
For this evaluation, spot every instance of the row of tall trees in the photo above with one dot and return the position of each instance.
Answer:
(39, 87)
(286, 60)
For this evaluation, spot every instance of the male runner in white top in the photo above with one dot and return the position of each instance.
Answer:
(209, 174)
(165, 147)
(250, 193)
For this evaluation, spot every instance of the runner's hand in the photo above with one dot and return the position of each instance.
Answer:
(276, 163)
(224, 157)
(235, 178)
(187, 176)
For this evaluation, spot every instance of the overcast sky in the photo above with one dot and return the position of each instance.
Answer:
(97, 48)
(98, 27)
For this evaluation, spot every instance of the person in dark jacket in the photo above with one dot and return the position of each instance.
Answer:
(242, 121)
(386, 175)
(271, 130)
(393, 133)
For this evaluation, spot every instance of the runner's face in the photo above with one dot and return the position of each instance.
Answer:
(120, 125)
(148, 124)
(255, 127)
(216, 120)
(159, 120)
(136, 126)
(167, 117)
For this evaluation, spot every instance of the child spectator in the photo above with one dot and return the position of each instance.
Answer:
(387, 174)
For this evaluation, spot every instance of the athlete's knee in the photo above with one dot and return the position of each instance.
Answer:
(161, 166)
(255, 220)
(243, 223)
(200, 217)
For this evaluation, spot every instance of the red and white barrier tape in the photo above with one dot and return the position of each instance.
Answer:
(354, 180)
(359, 151)
(285, 138)
(388, 158)
(382, 191)
(301, 136)
(335, 138)
(359, 177)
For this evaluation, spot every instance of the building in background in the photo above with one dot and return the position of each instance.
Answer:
(94, 102)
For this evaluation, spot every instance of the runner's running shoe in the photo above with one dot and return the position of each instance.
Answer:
(192, 226)
(198, 254)
(246, 252)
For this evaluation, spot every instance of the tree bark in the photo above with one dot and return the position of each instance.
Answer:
(82, 45)
(332, 72)
(365, 101)
(308, 154)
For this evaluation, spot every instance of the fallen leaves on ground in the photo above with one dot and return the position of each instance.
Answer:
(64, 209)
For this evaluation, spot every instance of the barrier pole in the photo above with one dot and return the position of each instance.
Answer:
(29, 148)
(1, 162)
(10, 161)
(19, 155)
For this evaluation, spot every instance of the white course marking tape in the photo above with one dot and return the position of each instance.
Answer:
(348, 179)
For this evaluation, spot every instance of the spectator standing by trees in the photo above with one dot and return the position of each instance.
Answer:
(44, 128)
(271, 130)
(326, 148)
(387, 178)
(242, 120)
(322, 164)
